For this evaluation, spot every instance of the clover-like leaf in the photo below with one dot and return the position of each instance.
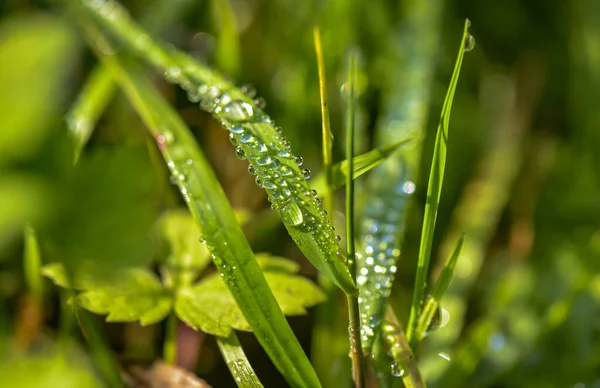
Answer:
(210, 307)
(184, 255)
(136, 294)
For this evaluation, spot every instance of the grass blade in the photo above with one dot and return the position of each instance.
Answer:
(237, 362)
(327, 135)
(228, 45)
(391, 186)
(404, 363)
(259, 140)
(358, 362)
(206, 200)
(361, 164)
(91, 103)
(433, 303)
(434, 187)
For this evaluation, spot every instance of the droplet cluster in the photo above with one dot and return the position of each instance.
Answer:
(269, 154)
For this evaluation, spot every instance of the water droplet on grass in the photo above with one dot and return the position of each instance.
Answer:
(298, 160)
(238, 111)
(306, 173)
(469, 43)
(239, 152)
(291, 214)
(396, 369)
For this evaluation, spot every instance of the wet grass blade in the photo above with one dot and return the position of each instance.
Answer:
(206, 200)
(237, 362)
(434, 187)
(358, 362)
(404, 364)
(361, 164)
(258, 139)
(433, 303)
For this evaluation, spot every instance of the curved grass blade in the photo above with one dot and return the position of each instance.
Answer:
(434, 187)
(391, 186)
(99, 87)
(433, 303)
(206, 200)
(361, 164)
(237, 362)
(257, 139)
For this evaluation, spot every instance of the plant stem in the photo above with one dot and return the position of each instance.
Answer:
(358, 364)
(170, 344)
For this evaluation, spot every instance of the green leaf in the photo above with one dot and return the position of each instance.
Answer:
(360, 165)
(434, 190)
(433, 303)
(36, 57)
(210, 307)
(209, 207)
(136, 295)
(228, 45)
(184, 255)
(237, 362)
(270, 263)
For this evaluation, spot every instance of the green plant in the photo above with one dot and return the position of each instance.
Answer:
(130, 203)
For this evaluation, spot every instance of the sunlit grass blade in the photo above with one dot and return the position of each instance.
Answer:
(361, 164)
(433, 303)
(326, 134)
(358, 362)
(32, 264)
(207, 202)
(434, 188)
(404, 363)
(329, 345)
(257, 139)
(237, 362)
(99, 87)
(391, 187)
(228, 46)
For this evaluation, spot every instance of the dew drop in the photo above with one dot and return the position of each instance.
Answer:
(306, 173)
(202, 240)
(232, 139)
(298, 160)
(291, 214)
(251, 170)
(173, 74)
(396, 369)
(260, 103)
(237, 129)
(246, 137)
(469, 43)
(278, 129)
(258, 182)
(239, 152)
(238, 111)
(314, 193)
(269, 185)
(249, 90)
(338, 238)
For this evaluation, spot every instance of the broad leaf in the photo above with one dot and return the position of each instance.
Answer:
(210, 307)
(136, 295)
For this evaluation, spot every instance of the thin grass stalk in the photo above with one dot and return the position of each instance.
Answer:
(329, 350)
(358, 361)
(170, 341)
(434, 188)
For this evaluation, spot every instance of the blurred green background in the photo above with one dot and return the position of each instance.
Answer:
(522, 177)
